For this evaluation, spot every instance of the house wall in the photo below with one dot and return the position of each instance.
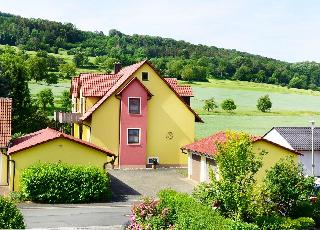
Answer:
(171, 125)
(86, 132)
(90, 101)
(273, 155)
(306, 161)
(105, 123)
(133, 155)
(56, 150)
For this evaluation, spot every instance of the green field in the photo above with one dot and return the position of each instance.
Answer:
(291, 107)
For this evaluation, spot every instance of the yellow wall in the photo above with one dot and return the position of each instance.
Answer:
(90, 101)
(105, 125)
(3, 169)
(76, 130)
(54, 151)
(86, 132)
(166, 113)
(274, 154)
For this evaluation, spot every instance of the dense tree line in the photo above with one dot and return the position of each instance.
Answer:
(173, 58)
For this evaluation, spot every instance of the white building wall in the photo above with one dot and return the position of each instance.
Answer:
(306, 161)
(203, 169)
(275, 137)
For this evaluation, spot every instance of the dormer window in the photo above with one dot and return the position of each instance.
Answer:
(145, 76)
(134, 105)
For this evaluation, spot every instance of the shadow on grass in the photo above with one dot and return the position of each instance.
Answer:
(120, 190)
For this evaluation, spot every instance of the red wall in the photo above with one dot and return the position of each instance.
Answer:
(133, 155)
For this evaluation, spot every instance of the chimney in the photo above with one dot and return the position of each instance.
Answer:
(117, 67)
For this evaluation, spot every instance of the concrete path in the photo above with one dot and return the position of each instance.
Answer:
(128, 187)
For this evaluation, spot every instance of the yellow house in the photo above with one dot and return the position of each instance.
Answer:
(48, 145)
(137, 114)
(201, 155)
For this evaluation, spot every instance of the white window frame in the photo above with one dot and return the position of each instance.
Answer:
(139, 137)
(139, 106)
(149, 158)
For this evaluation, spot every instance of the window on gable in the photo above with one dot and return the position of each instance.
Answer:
(145, 76)
(134, 105)
(133, 136)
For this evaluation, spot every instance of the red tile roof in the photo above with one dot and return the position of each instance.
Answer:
(208, 145)
(125, 73)
(5, 121)
(182, 90)
(46, 135)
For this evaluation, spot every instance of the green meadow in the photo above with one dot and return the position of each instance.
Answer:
(291, 107)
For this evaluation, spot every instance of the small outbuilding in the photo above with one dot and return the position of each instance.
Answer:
(201, 155)
(46, 146)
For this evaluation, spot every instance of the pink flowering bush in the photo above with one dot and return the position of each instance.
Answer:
(148, 215)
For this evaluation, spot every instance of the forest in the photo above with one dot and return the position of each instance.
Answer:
(172, 58)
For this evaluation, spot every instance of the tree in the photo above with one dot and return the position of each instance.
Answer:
(45, 101)
(67, 70)
(237, 164)
(194, 73)
(288, 187)
(264, 103)
(80, 59)
(298, 81)
(210, 104)
(228, 105)
(66, 101)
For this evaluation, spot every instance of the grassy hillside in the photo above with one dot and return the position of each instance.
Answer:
(291, 107)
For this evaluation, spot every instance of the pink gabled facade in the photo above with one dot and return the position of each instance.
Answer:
(133, 155)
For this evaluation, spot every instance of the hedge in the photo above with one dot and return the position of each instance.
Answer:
(10, 216)
(65, 183)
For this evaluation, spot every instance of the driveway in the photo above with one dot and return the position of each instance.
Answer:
(128, 187)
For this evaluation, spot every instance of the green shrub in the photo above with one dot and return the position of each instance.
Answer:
(288, 188)
(64, 183)
(264, 103)
(205, 193)
(10, 216)
(278, 223)
(184, 212)
(228, 105)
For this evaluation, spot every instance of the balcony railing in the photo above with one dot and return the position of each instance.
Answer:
(68, 118)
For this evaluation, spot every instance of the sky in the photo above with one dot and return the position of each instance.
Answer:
(287, 30)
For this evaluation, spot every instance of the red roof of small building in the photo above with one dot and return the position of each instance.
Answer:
(5, 121)
(208, 145)
(46, 135)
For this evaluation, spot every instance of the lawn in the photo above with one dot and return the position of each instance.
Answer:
(291, 107)
(257, 125)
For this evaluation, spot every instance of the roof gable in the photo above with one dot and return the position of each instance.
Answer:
(127, 73)
(46, 135)
(298, 137)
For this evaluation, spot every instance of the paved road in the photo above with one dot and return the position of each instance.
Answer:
(89, 216)
(128, 186)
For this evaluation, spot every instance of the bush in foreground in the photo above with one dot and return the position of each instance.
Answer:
(176, 210)
(10, 216)
(65, 183)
